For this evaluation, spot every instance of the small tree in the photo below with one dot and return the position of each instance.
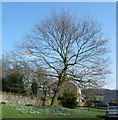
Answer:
(68, 99)
(89, 96)
(12, 74)
(34, 87)
(88, 102)
(13, 83)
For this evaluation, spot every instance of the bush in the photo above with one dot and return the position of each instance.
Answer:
(34, 87)
(28, 105)
(4, 102)
(68, 99)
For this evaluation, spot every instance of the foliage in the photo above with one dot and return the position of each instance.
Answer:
(13, 83)
(68, 99)
(34, 87)
(28, 105)
(12, 78)
(3, 102)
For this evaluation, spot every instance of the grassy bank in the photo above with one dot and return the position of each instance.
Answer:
(17, 111)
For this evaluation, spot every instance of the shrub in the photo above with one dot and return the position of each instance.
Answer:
(34, 87)
(28, 105)
(68, 99)
(4, 102)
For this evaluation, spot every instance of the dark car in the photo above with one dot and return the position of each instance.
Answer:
(102, 104)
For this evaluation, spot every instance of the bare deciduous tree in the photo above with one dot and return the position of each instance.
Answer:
(69, 49)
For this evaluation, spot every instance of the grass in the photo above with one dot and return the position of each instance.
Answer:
(17, 111)
(93, 110)
(104, 108)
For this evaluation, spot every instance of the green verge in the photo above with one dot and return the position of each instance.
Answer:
(16, 111)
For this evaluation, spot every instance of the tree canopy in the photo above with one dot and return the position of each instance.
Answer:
(69, 49)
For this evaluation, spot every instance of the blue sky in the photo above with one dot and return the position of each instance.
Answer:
(19, 18)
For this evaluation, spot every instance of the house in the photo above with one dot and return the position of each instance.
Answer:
(67, 85)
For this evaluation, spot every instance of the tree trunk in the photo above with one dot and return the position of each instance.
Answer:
(88, 107)
(60, 83)
(44, 98)
(54, 99)
(43, 101)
